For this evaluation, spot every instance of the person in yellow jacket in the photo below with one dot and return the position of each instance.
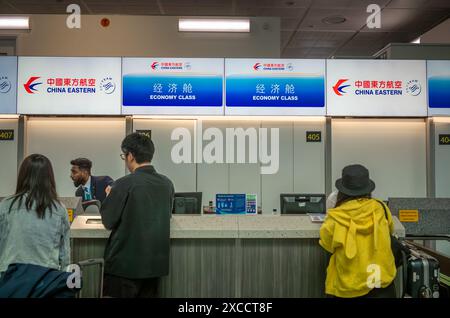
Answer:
(357, 234)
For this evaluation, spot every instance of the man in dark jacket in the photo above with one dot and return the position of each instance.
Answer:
(89, 187)
(137, 210)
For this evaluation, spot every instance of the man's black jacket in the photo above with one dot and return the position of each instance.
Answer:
(138, 211)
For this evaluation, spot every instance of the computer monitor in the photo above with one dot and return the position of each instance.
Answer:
(187, 203)
(296, 203)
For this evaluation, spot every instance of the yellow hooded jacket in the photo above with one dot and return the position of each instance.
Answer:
(358, 235)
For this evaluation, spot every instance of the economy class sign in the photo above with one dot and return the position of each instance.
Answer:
(275, 87)
(173, 86)
(438, 76)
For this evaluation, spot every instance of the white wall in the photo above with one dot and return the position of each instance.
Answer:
(439, 34)
(309, 158)
(302, 164)
(183, 175)
(64, 139)
(442, 171)
(283, 180)
(442, 160)
(144, 36)
(393, 150)
(213, 178)
(8, 159)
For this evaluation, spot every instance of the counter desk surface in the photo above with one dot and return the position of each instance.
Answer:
(227, 255)
(222, 226)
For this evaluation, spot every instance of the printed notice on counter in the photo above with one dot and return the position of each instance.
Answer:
(317, 217)
(409, 216)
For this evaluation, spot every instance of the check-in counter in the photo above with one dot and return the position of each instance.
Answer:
(228, 255)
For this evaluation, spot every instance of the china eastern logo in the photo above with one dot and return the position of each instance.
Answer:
(60, 85)
(257, 66)
(169, 66)
(413, 87)
(339, 87)
(5, 84)
(107, 85)
(155, 65)
(273, 67)
(30, 85)
(377, 87)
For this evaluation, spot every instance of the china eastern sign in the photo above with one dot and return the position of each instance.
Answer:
(185, 86)
(8, 84)
(73, 85)
(275, 87)
(376, 88)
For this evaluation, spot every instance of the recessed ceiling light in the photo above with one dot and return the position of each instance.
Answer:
(14, 23)
(214, 25)
(337, 19)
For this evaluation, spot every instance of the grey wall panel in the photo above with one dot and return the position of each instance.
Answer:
(394, 151)
(220, 268)
(64, 139)
(8, 158)
(283, 180)
(183, 175)
(283, 268)
(309, 158)
(201, 268)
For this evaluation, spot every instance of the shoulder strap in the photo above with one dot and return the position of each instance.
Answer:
(384, 208)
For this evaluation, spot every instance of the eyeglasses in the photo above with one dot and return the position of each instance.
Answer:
(123, 155)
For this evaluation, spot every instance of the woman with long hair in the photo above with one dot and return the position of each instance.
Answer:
(34, 225)
(357, 234)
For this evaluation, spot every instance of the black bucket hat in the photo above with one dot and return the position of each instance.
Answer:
(355, 181)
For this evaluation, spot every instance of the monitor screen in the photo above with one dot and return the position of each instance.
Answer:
(187, 203)
(296, 203)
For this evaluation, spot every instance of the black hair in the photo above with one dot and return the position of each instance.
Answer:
(36, 180)
(140, 146)
(82, 163)
(342, 198)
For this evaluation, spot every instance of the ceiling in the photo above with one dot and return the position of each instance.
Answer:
(303, 32)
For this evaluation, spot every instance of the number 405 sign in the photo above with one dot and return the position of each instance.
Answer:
(313, 136)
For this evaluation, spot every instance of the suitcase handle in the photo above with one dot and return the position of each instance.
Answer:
(440, 237)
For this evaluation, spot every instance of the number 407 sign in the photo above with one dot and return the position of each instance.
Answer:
(6, 134)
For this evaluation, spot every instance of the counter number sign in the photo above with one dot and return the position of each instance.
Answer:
(444, 139)
(6, 134)
(313, 136)
(147, 133)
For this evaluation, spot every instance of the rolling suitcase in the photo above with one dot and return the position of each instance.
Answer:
(423, 275)
(96, 289)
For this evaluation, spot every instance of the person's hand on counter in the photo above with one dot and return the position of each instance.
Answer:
(108, 190)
